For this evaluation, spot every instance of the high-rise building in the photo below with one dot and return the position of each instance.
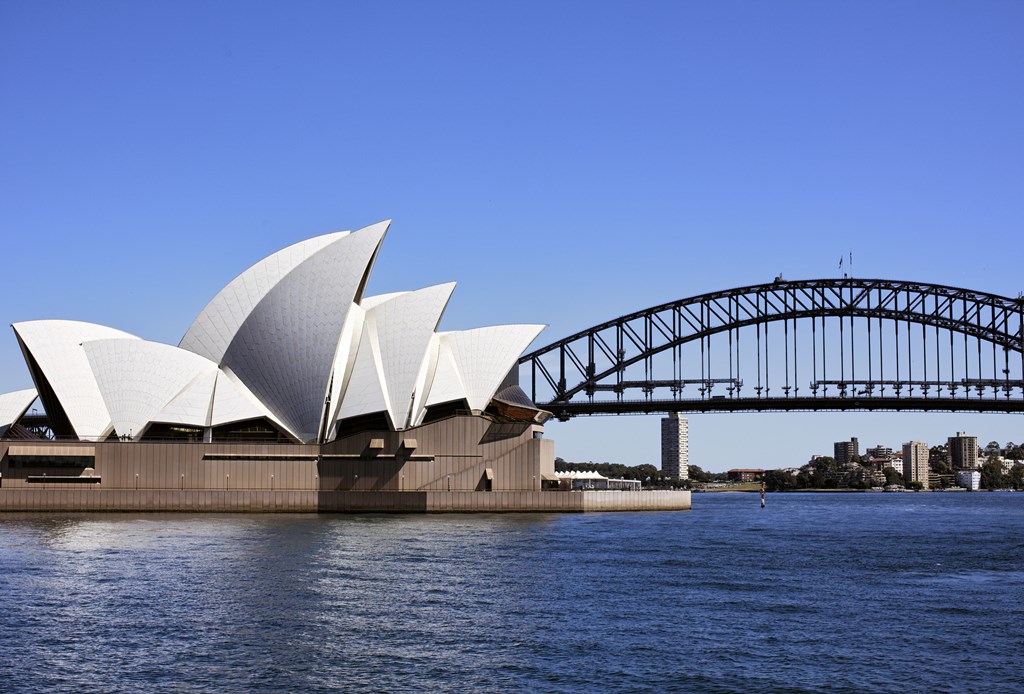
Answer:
(963, 451)
(846, 451)
(675, 446)
(915, 462)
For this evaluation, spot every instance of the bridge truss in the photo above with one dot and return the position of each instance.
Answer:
(832, 344)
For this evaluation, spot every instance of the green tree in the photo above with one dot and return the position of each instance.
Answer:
(647, 470)
(938, 460)
(1017, 476)
(992, 475)
(698, 475)
(892, 476)
(779, 481)
(823, 475)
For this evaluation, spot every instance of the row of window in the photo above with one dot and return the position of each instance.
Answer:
(52, 461)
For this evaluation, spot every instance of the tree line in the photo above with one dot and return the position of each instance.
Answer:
(824, 473)
(648, 474)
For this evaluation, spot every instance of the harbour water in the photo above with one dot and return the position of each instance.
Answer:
(816, 592)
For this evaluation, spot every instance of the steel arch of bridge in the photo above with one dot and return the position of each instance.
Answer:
(980, 369)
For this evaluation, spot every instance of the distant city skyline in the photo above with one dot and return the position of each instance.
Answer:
(567, 164)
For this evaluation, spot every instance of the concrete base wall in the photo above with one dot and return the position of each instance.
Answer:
(444, 466)
(450, 455)
(454, 454)
(93, 499)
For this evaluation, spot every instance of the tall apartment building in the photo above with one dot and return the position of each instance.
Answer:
(846, 451)
(675, 446)
(963, 451)
(915, 462)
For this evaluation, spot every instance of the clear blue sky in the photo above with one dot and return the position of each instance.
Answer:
(564, 162)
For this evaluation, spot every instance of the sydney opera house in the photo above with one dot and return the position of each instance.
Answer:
(291, 390)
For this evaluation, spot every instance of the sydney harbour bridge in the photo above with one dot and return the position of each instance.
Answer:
(827, 344)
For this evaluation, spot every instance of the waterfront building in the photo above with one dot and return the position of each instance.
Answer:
(851, 474)
(963, 451)
(969, 479)
(675, 446)
(291, 350)
(895, 463)
(745, 474)
(292, 390)
(588, 480)
(880, 463)
(846, 452)
(880, 452)
(915, 462)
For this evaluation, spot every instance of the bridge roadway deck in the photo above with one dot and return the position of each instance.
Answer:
(920, 404)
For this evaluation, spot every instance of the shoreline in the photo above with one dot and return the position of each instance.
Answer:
(844, 491)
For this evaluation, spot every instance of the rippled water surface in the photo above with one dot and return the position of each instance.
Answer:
(836, 592)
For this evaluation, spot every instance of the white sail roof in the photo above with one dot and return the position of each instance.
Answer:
(291, 339)
(484, 356)
(14, 405)
(365, 392)
(138, 379)
(446, 384)
(284, 349)
(395, 352)
(233, 402)
(216, 325)
(405, 328)
(370, 302)
(144, 382)
(344, 360)
(55, 347)
(193, 404)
